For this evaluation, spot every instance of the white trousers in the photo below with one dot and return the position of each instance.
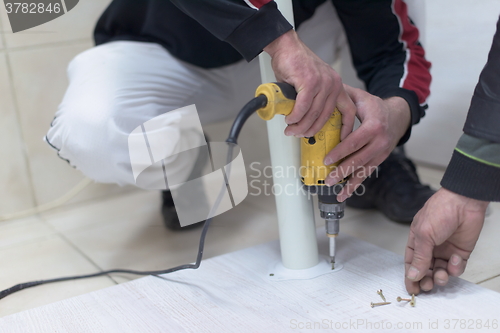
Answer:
(115, 87)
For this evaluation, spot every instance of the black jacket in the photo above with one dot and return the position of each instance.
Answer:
(384, 42)
(474, 170)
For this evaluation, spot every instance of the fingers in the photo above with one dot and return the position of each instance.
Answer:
(426, 284)
(356, 179)
(456, 265)
(348, 110)
(323, 118)
(354, 142)
(314, 106)
(422, 255)
(413, 287)
(439, 273)
(314, 119)
(303, 103)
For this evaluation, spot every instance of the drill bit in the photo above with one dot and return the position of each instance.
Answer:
(332, 230)
(332, 251)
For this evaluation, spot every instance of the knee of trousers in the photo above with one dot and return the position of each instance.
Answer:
(92, 144)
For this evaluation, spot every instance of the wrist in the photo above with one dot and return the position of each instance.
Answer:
(464, 201)
(399, 110)
(284, 42)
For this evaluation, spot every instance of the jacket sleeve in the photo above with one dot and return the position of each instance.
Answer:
(386, 52)
(474, 169)
(248, 25)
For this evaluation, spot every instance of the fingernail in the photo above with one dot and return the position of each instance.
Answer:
(299, 135)
(455, 260)
(328, 161)
(440, 281)
(412, 273)
(289, 133)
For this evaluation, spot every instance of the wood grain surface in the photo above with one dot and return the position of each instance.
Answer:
(232, 293)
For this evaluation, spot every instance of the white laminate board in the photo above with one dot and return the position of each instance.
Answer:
(231, 293)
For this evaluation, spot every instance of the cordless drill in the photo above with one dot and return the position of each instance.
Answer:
(279, 98)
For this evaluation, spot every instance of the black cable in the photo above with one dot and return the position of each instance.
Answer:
(249, 109)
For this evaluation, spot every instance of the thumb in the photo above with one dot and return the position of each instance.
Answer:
(422, 258)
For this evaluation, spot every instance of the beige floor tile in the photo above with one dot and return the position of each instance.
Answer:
(128, 232)
(15, 192)
(484, 262)
(38, 101)
(375, 228)
(493, 284)
(1, 35)
(430, 176)
(50, 257)
(134, 206)
(24, 231)
(75, 24)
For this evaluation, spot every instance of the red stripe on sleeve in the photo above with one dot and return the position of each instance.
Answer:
(417, 76)
(259, 3)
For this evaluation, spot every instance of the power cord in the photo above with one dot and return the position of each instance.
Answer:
(250, 108)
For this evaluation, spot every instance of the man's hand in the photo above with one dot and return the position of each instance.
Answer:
(442, 237)
(383, 123)
(319, 88)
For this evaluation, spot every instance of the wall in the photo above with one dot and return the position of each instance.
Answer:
(32, 83)
(458, 38)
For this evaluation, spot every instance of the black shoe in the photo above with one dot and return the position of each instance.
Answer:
(394, 189)
(168, 210)
(170, 217)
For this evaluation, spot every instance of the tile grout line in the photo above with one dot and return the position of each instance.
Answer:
(77, 249)
(18, 121)
(79, 204)
(78, 41)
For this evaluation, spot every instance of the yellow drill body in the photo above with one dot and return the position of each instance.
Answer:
(313, 172)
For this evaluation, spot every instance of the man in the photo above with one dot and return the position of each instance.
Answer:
(155, 56)
(445, 231)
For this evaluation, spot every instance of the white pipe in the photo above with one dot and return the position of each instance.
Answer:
(299, 248)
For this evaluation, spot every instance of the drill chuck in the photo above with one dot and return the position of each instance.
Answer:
(331, 211)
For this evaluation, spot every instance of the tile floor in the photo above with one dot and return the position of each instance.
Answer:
(126, 231)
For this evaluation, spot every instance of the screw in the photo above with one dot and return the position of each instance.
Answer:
(412, 302)
(399, 299)
(377, 304)
(381, 295)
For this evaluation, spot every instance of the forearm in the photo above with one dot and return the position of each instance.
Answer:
(247, 25)
(386, 52)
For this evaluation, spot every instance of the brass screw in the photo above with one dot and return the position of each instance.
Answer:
(377, 304)
(381, 295)
(412, 302)
(399, 299)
